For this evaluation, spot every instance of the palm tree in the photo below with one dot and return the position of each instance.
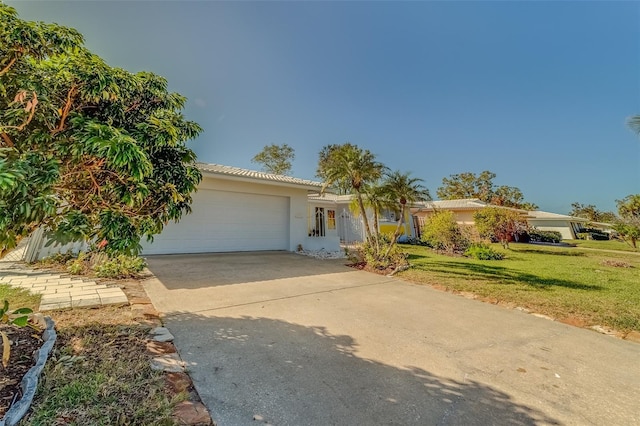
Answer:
(634, 123)
(348, 165)
(375, 198)
(403, 189)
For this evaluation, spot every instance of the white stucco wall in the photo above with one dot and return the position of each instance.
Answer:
(561, 226)
(298, 211)
(330, 241)
(297, 204)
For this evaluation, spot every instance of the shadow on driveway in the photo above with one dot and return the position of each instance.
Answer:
(290, 374)
(191, 271)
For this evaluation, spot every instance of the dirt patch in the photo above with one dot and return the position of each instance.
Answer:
(363, 266)
(615, 263)
(574, 321)
(25, 341)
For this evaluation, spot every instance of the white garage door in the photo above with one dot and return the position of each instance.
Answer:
(227, 221)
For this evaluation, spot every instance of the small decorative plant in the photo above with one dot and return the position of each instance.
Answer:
(483, 252)
(19, 317)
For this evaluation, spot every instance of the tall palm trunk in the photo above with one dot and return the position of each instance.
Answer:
(396, 234)
(365, 220)
(376, 228)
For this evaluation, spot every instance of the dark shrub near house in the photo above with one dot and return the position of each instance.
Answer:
(592, 234)
(536, 236)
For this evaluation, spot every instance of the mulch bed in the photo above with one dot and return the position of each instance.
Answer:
(24, 342)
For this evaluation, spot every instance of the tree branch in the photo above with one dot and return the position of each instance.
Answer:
(30, 107)
(67, 107)
(7, 140)
(4, 70)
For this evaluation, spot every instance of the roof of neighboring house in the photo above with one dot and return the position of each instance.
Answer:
(253, 175)
(462, 204)
(540, 215)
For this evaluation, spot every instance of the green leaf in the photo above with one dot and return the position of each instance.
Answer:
(20, 321)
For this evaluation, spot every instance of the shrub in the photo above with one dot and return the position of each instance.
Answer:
(78, 265)
(441, 232)
(601, 236)
(57, 259)
(121, 266)
(370, 253)
(545, 236)
(592, 234)
(483, 252)
(499, 224)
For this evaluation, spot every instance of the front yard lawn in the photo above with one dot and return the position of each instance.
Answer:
(580, 287)
(603, 245)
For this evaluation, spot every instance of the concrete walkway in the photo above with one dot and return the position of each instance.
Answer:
(282, 339)
(60, 290)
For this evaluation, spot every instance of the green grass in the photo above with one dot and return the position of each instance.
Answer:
(603, 245)
(18, 298)
(100, 375)
(565, 283)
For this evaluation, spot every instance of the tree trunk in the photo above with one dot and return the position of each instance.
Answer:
(396, 234)
(365, 220)
(376, 226)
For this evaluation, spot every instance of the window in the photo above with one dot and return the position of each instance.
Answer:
(318, 229)
(388, 215)
(331, 222)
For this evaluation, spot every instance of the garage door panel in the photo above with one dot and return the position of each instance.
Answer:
(227, 221)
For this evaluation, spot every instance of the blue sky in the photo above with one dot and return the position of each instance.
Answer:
(537, 92)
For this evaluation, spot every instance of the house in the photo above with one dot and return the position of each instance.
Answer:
(567, 226)
(237, 209)
(464, 209)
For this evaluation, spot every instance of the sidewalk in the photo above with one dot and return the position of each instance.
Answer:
(59, 290)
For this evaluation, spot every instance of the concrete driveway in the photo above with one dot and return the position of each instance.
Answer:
(290, 340)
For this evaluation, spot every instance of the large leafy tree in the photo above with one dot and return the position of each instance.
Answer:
(510, 196)
(470, 185)
(403, 189)
(340, 187)
(350, 167)
(591, 212)
(628, 225)
(275, 159)
(87, 150)
(467, 185)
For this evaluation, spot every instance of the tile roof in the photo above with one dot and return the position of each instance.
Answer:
(537, 214)
(256, 175)
(467, 203)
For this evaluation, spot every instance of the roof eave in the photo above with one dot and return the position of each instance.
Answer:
(225, 176)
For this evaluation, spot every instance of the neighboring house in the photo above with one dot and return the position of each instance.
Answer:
(237, 209)
(464, 209)
(567, 226)
(604, 227)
